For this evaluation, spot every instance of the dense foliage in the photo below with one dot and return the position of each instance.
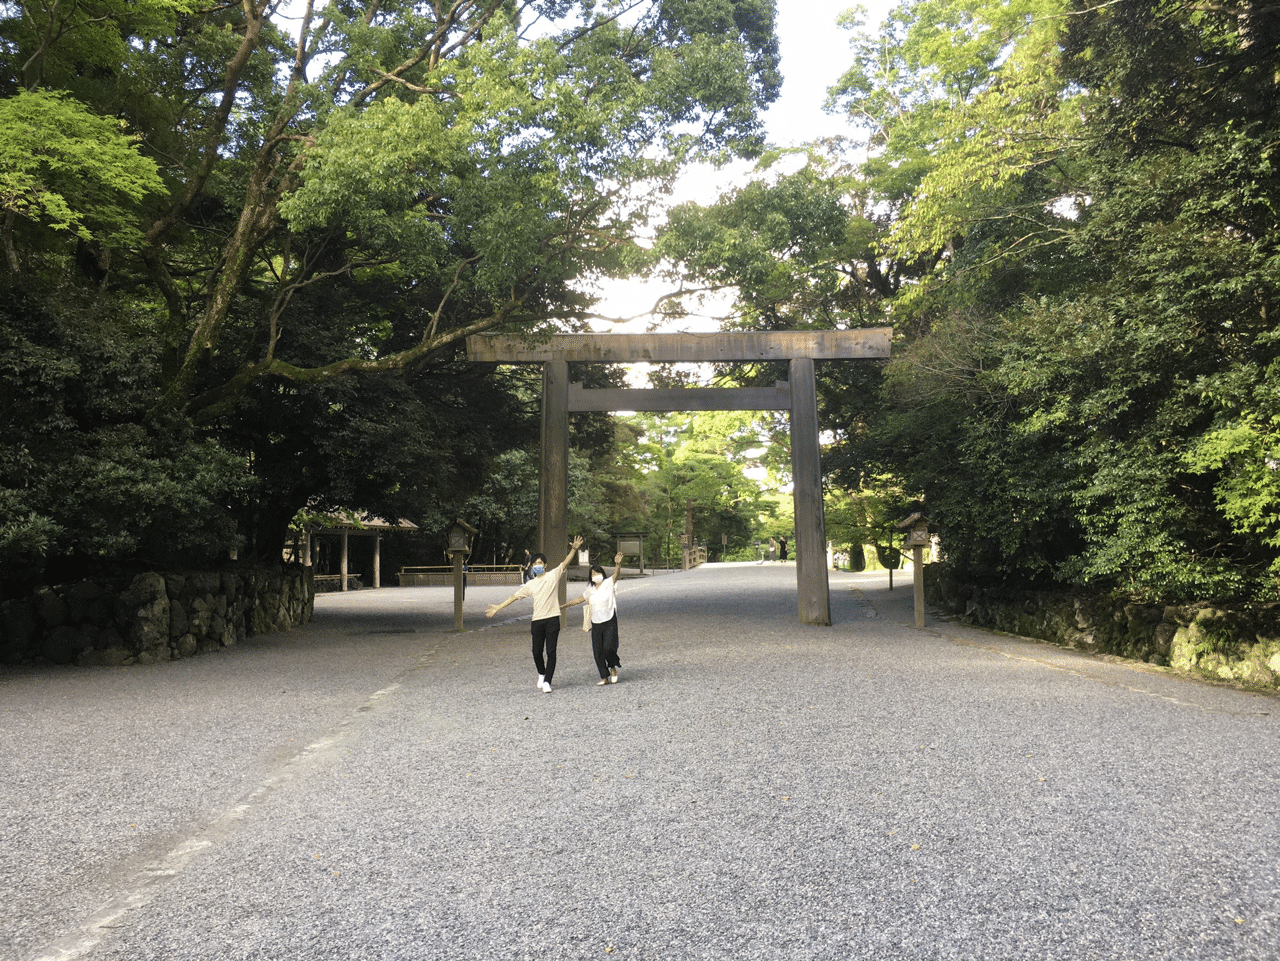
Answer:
(1099, 330)
(238, 268)
(1068, 212)
(243, 243)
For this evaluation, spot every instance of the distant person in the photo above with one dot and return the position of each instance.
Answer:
(544, 588)
(524, 568)
(773, 549)
(782, 549)
(601, 600)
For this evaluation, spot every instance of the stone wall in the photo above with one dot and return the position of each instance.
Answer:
(1235, 644)
(153, 617)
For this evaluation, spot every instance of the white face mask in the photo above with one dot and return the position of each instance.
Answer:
(597, 578)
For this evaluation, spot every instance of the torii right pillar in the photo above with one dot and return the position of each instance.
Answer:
(812, 587)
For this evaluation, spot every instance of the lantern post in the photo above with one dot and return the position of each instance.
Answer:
(459, 537)
(917, 538)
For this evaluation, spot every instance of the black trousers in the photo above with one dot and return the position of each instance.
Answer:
(546, 635)
(604, 645)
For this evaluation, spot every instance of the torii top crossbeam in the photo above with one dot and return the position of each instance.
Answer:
(741, 346)
(799, 348)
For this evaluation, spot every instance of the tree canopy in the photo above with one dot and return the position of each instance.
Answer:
(269, 200)
(1073, 206)
(242, 256)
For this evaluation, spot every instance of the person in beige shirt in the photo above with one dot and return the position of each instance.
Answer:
(544, 588)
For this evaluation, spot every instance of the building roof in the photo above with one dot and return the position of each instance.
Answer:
(351, 521)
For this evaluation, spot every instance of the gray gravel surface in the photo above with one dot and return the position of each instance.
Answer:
(375, 786)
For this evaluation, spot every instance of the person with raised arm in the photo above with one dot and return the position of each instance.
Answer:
(544, 588)
(604, 620)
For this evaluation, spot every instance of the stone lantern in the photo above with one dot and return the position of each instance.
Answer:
(916, 536)
(459, 535)
(459, 538)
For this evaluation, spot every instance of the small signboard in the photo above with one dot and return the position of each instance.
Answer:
(631, 544)
(917, 537)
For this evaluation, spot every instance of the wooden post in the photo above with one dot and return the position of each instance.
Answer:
(689, 555)
(458, 590)
(917, 537)
(377, 560)
(553, 477)
(917, 562)
(344, 560)
(812, 585)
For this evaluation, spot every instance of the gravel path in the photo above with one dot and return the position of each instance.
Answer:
(377, 787)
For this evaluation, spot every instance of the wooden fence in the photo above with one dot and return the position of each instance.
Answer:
(477, 574)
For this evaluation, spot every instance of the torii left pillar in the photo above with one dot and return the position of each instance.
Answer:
(812, 586)
(553, 476)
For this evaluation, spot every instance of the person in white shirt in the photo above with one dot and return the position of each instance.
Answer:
(544, 588)
(604, 620)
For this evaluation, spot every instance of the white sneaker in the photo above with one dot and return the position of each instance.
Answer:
(613, 675)
(602, 682)
(541, 680)
(546, 687)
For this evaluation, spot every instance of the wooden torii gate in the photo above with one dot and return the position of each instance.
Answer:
(798, 395)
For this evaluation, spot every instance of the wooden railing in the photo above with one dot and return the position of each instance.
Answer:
(694, 556)
(477, 574)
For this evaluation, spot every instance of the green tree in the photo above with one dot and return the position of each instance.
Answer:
(82, 180)
(439, 145)
(698, 463)
(87, 482)
(1095, 341)
(961, 107)
(1075, 204)
(796, 249)
(278, 210)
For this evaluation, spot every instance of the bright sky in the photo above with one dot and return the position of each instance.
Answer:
(815, 52)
